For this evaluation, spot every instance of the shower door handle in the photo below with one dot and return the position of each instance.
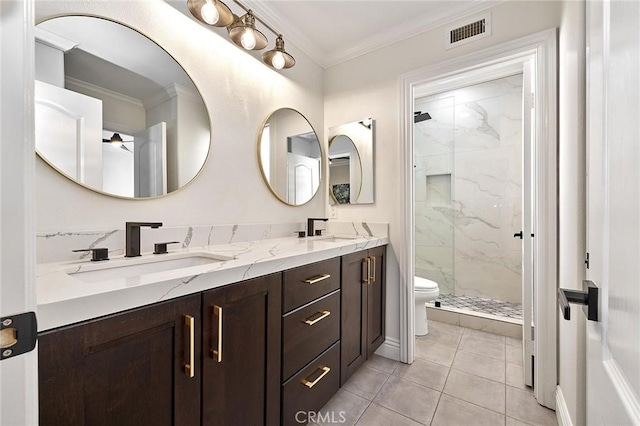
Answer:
(518, 235)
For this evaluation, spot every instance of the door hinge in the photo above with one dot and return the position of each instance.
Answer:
(18, 334)
(529, 348)
(586, 261)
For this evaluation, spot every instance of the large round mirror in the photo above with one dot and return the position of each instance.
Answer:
(290, 156)
(345, 170)
(114, 111)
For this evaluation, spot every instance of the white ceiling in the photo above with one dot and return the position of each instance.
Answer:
(333, 31)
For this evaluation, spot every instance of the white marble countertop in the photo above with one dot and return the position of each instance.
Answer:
(64, 299)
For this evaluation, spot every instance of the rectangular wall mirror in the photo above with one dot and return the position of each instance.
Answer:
(351, 163)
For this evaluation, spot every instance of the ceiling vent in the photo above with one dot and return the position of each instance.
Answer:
(470, 30)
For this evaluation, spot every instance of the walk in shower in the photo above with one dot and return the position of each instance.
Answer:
(468, 196)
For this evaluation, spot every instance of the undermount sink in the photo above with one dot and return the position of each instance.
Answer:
(147, 264)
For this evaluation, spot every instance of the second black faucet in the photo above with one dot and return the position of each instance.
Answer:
(310, 223)
(132, 236)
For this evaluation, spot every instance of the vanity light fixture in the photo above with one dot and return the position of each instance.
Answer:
(211, 12)
(278, 58)
(242, 30)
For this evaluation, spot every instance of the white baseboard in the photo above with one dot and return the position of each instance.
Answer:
(390, 349)
(562, 411)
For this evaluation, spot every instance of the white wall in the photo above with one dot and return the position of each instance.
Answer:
(49, 64)
(239, 93)
(572, 206)
(368, 86)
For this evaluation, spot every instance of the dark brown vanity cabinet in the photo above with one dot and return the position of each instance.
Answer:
(241, 353)
(363, 308)
(310, 339)
(256, 352)
(139, 367)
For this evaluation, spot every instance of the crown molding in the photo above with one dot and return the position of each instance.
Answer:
(99, 92)
(290, 32)
(53, 40)
(438, 17)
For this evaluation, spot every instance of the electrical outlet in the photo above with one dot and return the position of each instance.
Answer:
(333, 214)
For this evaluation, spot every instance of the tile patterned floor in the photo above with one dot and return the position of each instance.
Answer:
(480, 304)
(460, 377)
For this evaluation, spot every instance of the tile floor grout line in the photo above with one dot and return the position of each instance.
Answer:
(469, 402)
(476, 405)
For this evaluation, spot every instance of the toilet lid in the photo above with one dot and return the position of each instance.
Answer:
(424, 284)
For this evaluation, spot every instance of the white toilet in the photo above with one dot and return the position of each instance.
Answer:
(425, 291)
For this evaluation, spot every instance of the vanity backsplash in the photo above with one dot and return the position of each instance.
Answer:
(57, 246)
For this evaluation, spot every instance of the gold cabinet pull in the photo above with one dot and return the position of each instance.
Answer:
(317, 279)
(190, 368)
(216, 354)
(323, 315)
(373, 270)
(325, 371)
(366, 271)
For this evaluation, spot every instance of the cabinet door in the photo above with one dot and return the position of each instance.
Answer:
(241, 353)
(376, 292)
(125, 369)
(353, 352)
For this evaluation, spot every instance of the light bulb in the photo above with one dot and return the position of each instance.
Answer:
(209, 13)
(116, 143)
(248, 40)
(278, 60)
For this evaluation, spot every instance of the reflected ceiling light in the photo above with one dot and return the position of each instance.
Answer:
(242, 30)
(115, 139)
(278, 58)
(211, 12)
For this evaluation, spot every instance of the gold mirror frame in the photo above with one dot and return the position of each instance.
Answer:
(331, 194)
(206, 112)
(265, 178)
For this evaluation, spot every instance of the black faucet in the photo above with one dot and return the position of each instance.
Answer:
(132, 235)
(310, 223)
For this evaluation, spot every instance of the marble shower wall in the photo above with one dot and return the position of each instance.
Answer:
(471, 152)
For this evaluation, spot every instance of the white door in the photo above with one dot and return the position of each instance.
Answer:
(302, 178)
(69, 132)
(528, 156)
(613, 211)
(150, 161)
(18, 375)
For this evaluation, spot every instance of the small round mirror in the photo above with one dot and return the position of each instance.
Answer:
(290, 156)
(345, 170)
(114, 112)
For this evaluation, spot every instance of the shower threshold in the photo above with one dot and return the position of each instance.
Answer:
(479, 306)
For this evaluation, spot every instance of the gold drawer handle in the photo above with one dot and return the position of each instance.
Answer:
(325, 371)
(317, 279)
(373, 269)
(216, 354)
(323, 315)
(366, 271)
(190, 368)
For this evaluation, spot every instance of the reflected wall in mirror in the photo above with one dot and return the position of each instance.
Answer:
(351, 163)
(290, 156)
(114, 111)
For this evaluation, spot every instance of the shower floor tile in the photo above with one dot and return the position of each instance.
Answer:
(480, 304)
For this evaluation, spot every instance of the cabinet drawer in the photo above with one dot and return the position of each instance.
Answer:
(306, 283)
(312, 387)
(308, 331)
